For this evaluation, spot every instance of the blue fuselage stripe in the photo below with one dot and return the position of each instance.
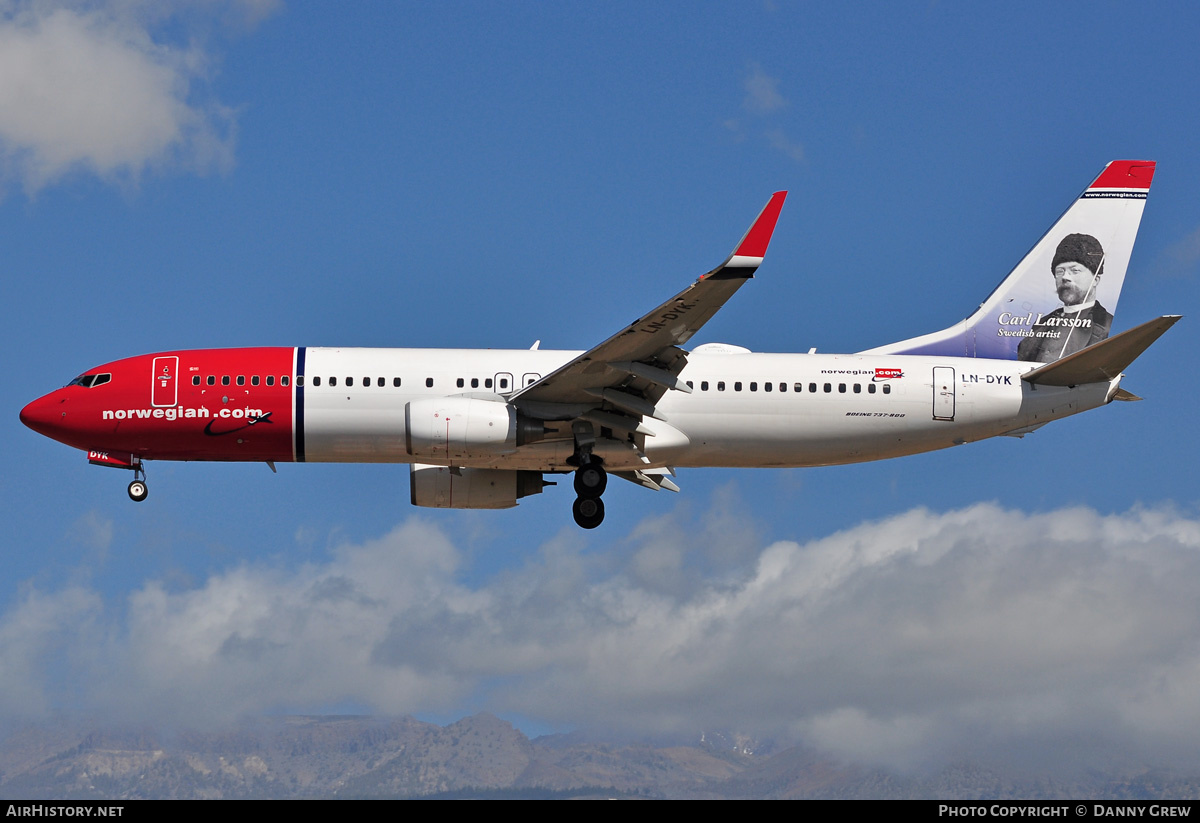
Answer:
(299, 421)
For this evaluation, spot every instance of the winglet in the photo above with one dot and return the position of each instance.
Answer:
(752, 248)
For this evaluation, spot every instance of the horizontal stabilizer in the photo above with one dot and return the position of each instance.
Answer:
(1101, 362)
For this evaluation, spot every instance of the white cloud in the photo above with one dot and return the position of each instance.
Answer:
(927, 637)
(780, 141)
(40, 639)
(762, 92)
(94, 531)
(764, 100)
(89, 86)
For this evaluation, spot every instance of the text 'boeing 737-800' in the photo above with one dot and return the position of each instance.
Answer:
(481, 429)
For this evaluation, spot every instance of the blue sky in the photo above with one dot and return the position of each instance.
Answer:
(484, 175)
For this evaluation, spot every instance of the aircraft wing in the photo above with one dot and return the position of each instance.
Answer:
(631, 370)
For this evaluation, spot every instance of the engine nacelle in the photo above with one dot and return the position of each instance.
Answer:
(441, 487)
(453, 428)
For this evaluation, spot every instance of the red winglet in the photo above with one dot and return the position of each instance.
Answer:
(755, 243)
(1125, 174)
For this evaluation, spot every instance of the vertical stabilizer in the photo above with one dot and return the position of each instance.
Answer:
(1062, 296)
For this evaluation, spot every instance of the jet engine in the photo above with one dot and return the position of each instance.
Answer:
(443, 487)
(453, 428)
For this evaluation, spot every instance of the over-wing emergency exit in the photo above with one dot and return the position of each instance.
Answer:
(482, 428)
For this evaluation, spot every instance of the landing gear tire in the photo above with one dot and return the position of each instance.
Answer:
(588, 512)
(138, 491)
(591, 480)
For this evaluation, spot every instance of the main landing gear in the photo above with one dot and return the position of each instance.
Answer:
(137, 488)
(590, 477)
(590, 481)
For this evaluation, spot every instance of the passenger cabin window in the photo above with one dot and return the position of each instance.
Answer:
(754, 387)
(396, 382)
(196, 380)
(380, 382)
(333, 381)
(459, 382)
(887, 389)
(225, 380)
(487, 382)
(737, 386)
(812, 387)
(858, 388)
(703, 385)
(316, 381)
(254, 380)
(241, 381)
(800, 387)
(870, 388)
(503, 382)
(828, 388)
(283, 381)
(349, 381)
(429, 382)
(783, 386)
(766, 386)
(270, 380)
(720, 385)
(474, 382)
(841, 388)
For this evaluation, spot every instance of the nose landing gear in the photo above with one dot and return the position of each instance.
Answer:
(137, 491)
(137, 488)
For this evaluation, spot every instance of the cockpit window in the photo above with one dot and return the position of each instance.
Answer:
(90, 380)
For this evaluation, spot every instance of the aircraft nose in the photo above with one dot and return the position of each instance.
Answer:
(46, 415)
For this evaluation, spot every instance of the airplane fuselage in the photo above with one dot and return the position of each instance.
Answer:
(349, 405)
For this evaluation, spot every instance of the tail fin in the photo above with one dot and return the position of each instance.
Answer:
(1062, 296)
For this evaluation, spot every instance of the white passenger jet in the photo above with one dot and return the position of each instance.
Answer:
(481, 429)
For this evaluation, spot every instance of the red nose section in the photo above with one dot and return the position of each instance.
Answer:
(46, 415)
